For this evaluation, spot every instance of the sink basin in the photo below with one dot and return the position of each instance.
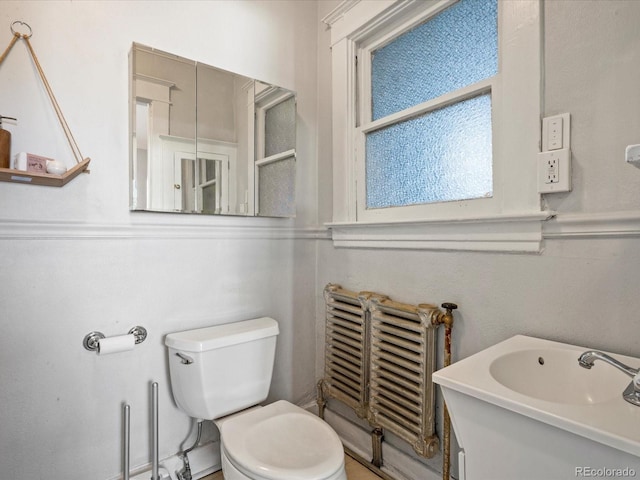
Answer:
(524, 409)
(553, 375)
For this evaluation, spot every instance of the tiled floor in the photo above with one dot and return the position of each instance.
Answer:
(355, 471)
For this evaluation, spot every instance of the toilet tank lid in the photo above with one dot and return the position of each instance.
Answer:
(218, 336)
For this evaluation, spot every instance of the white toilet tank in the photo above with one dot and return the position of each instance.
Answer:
(222, 369)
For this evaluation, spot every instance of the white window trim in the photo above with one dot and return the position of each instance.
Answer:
(261, 98)
(511, 219)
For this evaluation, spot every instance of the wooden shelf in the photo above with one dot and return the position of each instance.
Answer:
(47, 179)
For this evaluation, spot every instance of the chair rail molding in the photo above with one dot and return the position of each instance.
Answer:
(523, 233)
(586, 225)
(11, 229)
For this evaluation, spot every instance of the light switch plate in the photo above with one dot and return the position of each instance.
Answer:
(556, 132)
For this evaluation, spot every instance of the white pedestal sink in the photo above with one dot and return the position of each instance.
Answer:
(525, 410)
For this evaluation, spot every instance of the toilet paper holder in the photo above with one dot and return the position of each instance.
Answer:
(92, 340)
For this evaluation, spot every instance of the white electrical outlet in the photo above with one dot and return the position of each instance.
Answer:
(554, 171)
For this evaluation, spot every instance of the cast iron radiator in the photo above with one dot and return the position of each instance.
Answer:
(379, 358)
(347, 352)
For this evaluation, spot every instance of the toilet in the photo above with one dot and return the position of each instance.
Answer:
(223, 373)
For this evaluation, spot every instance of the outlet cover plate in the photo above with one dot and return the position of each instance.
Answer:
(549, 124)
(554, 171)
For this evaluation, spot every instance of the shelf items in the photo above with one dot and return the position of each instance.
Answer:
(33, 178)
(50, 180)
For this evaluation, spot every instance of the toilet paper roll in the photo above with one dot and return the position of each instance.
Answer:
(120, 343)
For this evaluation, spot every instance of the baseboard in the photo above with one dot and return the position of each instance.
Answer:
(203, 460)
(357, 439)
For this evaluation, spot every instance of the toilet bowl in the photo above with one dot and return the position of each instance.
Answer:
(279, 442)
(223, 373)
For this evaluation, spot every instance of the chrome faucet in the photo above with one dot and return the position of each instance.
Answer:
(632, 392)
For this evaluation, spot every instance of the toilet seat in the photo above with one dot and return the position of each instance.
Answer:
(281, 442)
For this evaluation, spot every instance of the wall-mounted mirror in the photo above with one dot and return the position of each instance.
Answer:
(205, 140)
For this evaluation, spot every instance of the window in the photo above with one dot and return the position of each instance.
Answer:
(435, 142)
(275, 152)
(436, 121)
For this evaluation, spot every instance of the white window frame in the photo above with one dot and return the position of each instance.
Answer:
(508, 221)
(264, 100)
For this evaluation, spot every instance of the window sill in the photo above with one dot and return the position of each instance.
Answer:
(519, 233)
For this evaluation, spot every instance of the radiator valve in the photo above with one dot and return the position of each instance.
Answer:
(447, 317)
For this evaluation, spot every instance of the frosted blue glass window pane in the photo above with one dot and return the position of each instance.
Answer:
(441, 156)
(456, 48)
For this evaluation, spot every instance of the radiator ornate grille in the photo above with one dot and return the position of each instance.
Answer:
(402, 396)
(379, 359)
(347, 347)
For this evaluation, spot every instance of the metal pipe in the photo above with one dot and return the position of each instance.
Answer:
(185, 473)
(447, 320)
(320, 399)
(198, 437)
(154, 431)
(126, 443)
(377, 436)
(446, 419)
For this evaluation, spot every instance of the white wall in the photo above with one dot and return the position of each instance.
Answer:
(583, 288)
(74, 259)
